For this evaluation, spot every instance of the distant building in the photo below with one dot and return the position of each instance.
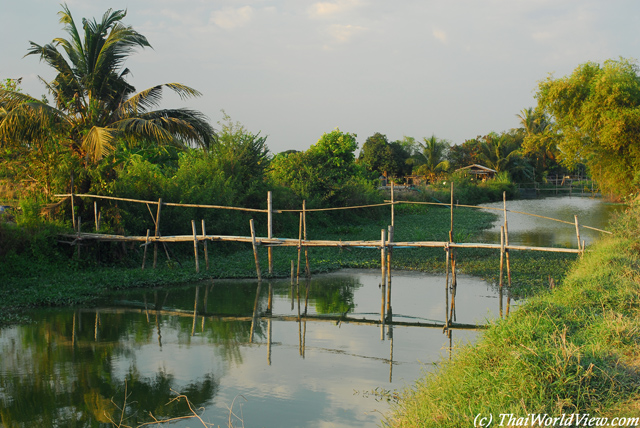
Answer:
(478, 171)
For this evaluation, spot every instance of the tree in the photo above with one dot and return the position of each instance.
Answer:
(540, 140)
(377, 155)
(465, 154)
(502, 152)
(94, 104)
(597, 114)
(434, 154)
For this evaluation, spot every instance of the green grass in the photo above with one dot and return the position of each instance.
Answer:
(571, 350)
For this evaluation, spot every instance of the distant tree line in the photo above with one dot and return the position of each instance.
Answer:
(108, 139)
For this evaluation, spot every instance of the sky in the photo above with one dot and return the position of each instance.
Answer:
(296, 69)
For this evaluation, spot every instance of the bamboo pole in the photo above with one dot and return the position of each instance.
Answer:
(195, 245)
(270, 228)
(383, 281)
(307, 269)
(255, 249)
(204, 240)
(451, 221)
(73, 208)
(157, 233)
(389, 254)
(578, 233)
(501, 256)
(506, 238)
(393, 208)
(446, 288)
(95, 214)
(299, 248)
(144, 256)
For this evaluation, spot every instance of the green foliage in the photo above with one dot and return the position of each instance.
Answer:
(326, 175)
(597, 111)
(470, 191)
(381, 157)
(432, 158)
(95, 109)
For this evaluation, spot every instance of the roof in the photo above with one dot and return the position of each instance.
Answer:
(483, 169)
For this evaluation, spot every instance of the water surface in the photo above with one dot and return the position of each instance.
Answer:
(536, 231)
(216, 344)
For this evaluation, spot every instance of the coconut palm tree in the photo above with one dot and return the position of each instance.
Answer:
(94, 105)
(433, 156)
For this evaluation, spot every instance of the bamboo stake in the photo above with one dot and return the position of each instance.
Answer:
(383, 281)
(578, 233)
(506, 238)
(204, 240)
(73, 208)
(157, 233)
(454, 287)
(255, 250)
(299, 248)
(270, 228)
(393, 212)
(307, 269)
(446, 287)
(95, 214)
(451, 228)
(195, 245)
(389, 253)
(144, 256)
(501, 255)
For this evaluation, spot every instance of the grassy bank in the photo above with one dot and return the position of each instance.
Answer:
(573, 349)
(35, 271)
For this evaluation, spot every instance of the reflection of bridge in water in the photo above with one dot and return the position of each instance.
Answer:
(386, 320)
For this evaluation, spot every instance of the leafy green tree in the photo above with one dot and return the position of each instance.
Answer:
(326, 174)
(465, 154)
(597, 114)
(376, 155)
(94, 104)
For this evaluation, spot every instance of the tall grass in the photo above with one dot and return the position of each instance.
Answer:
(573, 349)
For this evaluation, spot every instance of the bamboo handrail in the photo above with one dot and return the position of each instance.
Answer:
(293, 242)
(501, 209)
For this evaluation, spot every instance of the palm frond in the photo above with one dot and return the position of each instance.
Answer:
(98, 143)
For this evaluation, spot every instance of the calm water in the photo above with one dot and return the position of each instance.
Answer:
(535, 231)
(216, 344)
(64, 369)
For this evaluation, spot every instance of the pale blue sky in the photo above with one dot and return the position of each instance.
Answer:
(295, 69)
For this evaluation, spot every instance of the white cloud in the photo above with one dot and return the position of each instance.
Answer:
(325, 9)
(440, 35)
(344, 33)
(229, 18)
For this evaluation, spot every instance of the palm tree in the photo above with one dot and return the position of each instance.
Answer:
(433, 155)
(539, 137)
(94, 104)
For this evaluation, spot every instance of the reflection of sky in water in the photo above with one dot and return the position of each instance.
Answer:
(322, 387)
(536, 231)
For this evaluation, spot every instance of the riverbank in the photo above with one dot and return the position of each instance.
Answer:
(571, 350)
(38, 272)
